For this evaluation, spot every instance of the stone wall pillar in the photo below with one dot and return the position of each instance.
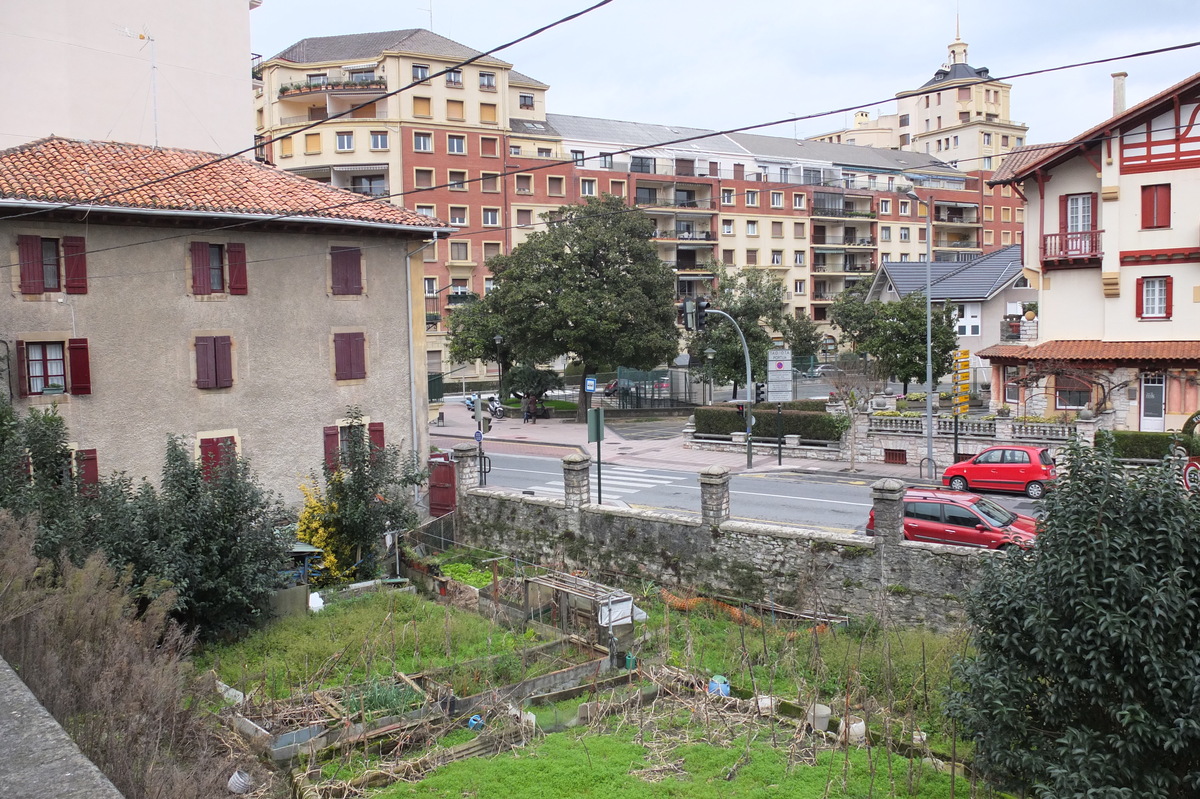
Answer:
(577, 480)
(714, 495)
(466, 470)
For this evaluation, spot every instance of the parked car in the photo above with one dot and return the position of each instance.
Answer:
(1027, 470)
(825, 370)
(963, 519)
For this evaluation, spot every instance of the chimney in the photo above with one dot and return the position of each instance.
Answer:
(1119, 92)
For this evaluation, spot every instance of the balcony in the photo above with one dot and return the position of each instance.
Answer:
(1066, 248)
(685, 235)
(333, 86)
(956, 218)
(461, 298)
(843, 241)
(955, 244)
(842, 213)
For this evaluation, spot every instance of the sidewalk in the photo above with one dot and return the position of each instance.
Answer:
(558, 438)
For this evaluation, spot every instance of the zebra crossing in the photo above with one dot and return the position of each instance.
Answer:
(618, 482)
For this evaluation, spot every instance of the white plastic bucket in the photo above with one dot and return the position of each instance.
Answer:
(240, 782)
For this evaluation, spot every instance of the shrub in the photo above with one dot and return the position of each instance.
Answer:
(806, 424)
(1148, 446)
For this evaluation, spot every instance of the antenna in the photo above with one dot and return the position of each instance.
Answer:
(430, 10)
(126, 32)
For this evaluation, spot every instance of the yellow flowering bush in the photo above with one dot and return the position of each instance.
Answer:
(315, 526)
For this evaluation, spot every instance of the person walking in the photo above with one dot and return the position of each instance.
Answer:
(524, 409)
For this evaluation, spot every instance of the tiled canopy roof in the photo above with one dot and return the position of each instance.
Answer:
(1015, 162)
(1093, 350)
(104, 174)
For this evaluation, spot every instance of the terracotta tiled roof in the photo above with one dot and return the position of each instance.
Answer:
(57, 170)
(1093, 350)
(1015, 162)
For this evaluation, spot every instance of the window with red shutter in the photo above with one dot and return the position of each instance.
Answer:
(1156, 206)
(29, 253)
(236, 254)
(22, 371)
(333, 449)
(349, 356)
(213, 452)
(214, 361)
(346, 270)
(1154, 298)
(79, 365)
(201, 282)
(375, 433)
(87, 470)
(75, 265)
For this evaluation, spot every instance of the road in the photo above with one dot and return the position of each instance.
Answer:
(818, 501)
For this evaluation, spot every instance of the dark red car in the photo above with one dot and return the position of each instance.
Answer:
(969, 520)
(1025, 470)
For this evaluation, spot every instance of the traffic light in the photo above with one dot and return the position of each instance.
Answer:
(701, 310)
(687, 309)
(760, 392)
(741, 410)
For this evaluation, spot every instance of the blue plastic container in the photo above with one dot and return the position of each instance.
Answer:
(475, 722)
(718, 685)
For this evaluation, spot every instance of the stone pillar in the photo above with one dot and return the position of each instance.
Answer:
(888, 498)
(577, 480)
(714, 495)
(466, 470)
(1086, 430)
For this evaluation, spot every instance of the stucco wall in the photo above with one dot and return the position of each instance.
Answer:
(140, 319)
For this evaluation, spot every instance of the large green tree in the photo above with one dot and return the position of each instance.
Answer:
(896, 338)
(589, 287)
(853, 315)
(1086, 680)
(755, 299)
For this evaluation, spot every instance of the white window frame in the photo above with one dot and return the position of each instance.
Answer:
(751, 227)
(460, 142)
(727, 227)
(776, 199)
(752, 197)
(727, 197)
(491, 217)
(379, 140)
(421, 137)
(1154, 298)
(344, 141)
(587, 187)
(885, 206)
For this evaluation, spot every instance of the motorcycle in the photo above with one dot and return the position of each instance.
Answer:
(494, 407)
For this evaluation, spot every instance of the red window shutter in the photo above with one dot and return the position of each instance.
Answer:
(236, 254)
(75, 265)
(206, 363)
(337, 259)
(358, 356)
(1141, 288)
(333, 442)
(1062, 213)
(210, 456)
(22, 371)
(341, 356)
(87, 468)
(375, 432)
(1148, 215)
(80, 366)
(1095, 211)
(29, 252)
(347, 270)
(1169, 297)
(222, 361)
(201, 283)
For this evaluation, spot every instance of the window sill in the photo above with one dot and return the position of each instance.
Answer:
(312, 152)
(425, 152)
(216, 296)
(1154, 319)
(48, 399)
(350, 381)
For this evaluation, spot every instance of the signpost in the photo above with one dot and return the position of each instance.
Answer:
(595, 423)
(962, 391)
(589, 385)
(779, 375)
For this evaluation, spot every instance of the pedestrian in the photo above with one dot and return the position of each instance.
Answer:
(524, 409)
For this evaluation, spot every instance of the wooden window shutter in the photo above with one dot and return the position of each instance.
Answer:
(341, 356)
(1062, 213)
(1169, 291)
(22, 371)
(358, 356)
(75, 265)
(1095, 197)
(347, 270)
(87, 469)
(354, 270)
(333, 442)
(1148, 216)
(1141, 287)
(80, 366)
(29, 252)
(375, 432)
(236, 254)
(222, 361)
(201, 282)
(206, 365)
(212, 453)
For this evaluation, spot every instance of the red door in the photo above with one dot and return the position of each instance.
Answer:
(441, 488)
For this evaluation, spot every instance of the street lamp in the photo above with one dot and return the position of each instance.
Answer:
(499, 367)
(710, 353)
(928, 329)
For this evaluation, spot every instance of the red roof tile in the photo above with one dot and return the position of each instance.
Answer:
(1020, 157)
(105, 174)
(1093, 350)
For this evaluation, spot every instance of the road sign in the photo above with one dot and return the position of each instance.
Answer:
(779, 367)
(589, 385)
(478, 435)
(778, 393)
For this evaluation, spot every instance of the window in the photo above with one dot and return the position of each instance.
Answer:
(1071, 392)
(285, 147)
(422, 107)
(751, 257)
(578, 157)
(346, 269)
(987, 140)
(1012, 389)
(727, 257)
(885, 206)
(318, 79)
(726, 196)
(1020, 215)
(45, 366)
(349, 356)
(370, 185)
(423, 142)
(487, 113)
(727, 227)
(426, 210)
(514, 149)
(456, 110)
(605, 161)
(345, 140)
(454, 78)
(989, 237)
(489, 147)
(616, 188)
(776, 199)
(209, 264)
(1156, 206)
(420, 72)
(379, 140)
(458, 215)
(776, 257)
(751, 197)
(524, 184)
(422, 178)
(1154, 297)
(1006, 214)
(214, 362)
(525, 101)
(338, 439)
(987, 164)
(460, 251)
(489, 181)
(640, 163)
(545, 152)
(798, 257)
(1078, 212)
(903, 120)
(798, 286)
(751, 227)
(312, 143)
(431, 287)
(587, 187)
(456, 145)
(904, 234)
(487, 81)
(214, 452)
(491, 217)
(799, 201)
(554, 185)
(968, 314)
(903, 257)
(1006, 237)
(43, 270)
(524, 217)
(489, 283)
(905, 208)
(885, 233)
(799, 230)
(458, 180)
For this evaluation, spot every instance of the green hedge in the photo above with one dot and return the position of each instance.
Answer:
(805, 405)
(1149, 446)
(806, 424)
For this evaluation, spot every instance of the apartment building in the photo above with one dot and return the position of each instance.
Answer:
(480, 150)
(228, 303)
(1113, 245)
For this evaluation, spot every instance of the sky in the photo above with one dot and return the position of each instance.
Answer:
(716, 64)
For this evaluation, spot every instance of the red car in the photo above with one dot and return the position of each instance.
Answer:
(1026, 470)
(969, 520)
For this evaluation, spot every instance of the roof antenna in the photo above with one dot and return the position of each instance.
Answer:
(124, 31)
(430, 10)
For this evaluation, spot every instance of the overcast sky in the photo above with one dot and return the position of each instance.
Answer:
(721, 64)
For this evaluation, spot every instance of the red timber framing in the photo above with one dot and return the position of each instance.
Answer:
(1168, 140)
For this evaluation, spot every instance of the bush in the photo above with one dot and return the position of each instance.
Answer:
(1148, 446)
(806, 424)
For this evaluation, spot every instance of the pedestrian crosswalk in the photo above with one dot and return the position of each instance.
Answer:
(617, 482)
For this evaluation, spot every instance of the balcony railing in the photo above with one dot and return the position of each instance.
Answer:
(1084, 244)
(685, 235)
(461, 298)
(305, 87)
(958, 219)
(842, 213)
(843, 241)
(955, 245)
